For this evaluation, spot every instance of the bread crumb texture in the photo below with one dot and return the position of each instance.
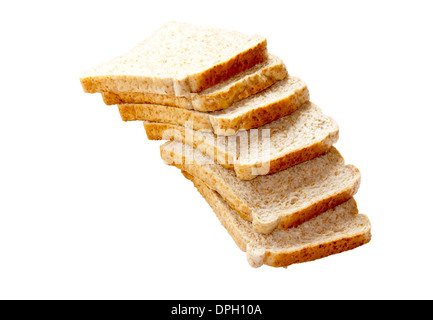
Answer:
(338, 229)
(217, 97)
(281, 200)
(178, 59)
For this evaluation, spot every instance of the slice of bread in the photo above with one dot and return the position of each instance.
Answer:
(276, 146)
(281, 200)
(218, 97)
(178, 59)
(277, 101)
(337, 230)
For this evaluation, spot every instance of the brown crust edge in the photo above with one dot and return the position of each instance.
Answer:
(228, 69)
(283, 259)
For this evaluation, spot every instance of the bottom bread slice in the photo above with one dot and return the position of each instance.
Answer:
(337, 230)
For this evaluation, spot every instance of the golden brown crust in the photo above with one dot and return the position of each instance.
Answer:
(258, 117)
(210, 176)
(227, 69)
(192, 83)
(321, 206)
(256, 79)
(250, 86)
(285, 256)
(322, 250)
(248, 172)
(220, 122)
(161, 131)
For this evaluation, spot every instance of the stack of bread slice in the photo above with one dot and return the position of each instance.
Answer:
(245, 133)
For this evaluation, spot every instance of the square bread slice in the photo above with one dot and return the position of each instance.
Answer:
(276, 146)
(282, 200)
(218, 97)
(178, 59)
(277, 101)
(337, 230)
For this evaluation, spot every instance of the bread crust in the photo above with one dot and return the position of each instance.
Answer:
(103, 79)
(258, 254)
(225, 70)
(214, 176)
(257, 117)
(256, 79)
(324, 204)
(246, 170)
(223, 122)
(284, 259)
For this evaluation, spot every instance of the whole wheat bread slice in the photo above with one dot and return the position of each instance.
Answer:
(337, 230)
(281, 200)
(178, 59)
(283, 143)
(277, 101)
(218, 97)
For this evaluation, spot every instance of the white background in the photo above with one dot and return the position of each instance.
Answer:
(88, 210)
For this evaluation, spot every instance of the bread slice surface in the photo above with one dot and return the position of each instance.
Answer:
(282, 200)
(218, 97)
(279, 100)
(276, 146)
(338, 229)
(178, 59)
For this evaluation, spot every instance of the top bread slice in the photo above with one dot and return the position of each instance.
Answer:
(218, 97)
(178, 59)
(298, 137)
(279, 100)
(337, 230)
(281, 200)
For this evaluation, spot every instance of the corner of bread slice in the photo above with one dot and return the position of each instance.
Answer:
(255, 255)
(337, 230)
(265, 224)
(153, 131)
(163, 131)
(250, 50)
